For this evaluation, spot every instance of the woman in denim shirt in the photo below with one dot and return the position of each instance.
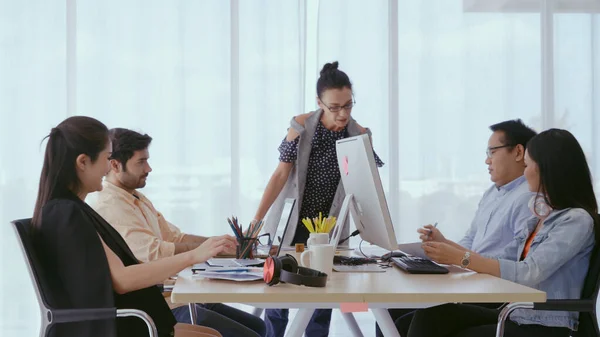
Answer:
(552, 252)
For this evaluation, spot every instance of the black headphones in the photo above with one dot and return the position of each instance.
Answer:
(285, 269)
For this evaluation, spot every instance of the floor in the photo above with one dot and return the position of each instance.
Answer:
(338, 327)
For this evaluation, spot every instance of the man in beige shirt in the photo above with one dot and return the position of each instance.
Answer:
(150, 236)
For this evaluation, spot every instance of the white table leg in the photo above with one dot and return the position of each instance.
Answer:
(300, 322)
(383, 318)
(257, 311)
(352, 324)
(192, 308)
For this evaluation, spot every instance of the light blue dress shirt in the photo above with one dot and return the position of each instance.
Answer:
(557, 263)
(501, 214)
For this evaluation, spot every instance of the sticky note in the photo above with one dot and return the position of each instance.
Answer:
(354, 307)
(345, 165)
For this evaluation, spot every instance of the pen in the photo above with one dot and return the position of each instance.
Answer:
(430, 231)
(233, 228)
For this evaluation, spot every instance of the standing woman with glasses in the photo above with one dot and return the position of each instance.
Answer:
(308, 172)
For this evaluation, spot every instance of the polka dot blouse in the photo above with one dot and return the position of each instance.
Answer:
(323, 174)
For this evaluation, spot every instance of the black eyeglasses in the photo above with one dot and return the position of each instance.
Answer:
(265, 242)
(489, 152)
(347, 107)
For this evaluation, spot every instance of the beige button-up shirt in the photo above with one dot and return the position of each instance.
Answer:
(149, 235)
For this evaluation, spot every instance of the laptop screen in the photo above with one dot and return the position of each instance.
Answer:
(284, 221)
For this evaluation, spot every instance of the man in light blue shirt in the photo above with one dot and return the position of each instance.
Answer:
(503, 210)
(501, 213)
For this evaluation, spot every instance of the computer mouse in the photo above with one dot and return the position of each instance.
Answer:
(387, 256)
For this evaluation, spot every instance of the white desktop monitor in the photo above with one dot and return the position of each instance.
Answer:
(360, 177)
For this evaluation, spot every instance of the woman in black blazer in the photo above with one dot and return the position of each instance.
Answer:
(88, 263)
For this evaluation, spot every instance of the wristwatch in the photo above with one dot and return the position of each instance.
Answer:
(466, 260)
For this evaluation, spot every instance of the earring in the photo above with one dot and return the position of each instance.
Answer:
(538, 206)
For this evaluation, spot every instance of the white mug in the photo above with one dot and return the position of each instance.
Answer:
(317, 239)
(318, 257)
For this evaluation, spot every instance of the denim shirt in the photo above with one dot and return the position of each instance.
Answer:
(557, 263)
(501, 215)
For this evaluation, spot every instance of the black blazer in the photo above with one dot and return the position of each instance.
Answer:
(79, 277)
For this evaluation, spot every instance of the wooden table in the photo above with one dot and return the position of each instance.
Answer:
(392, 289)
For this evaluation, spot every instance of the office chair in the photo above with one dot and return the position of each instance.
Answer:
(167, 288)
(588, 306)
(51, 316)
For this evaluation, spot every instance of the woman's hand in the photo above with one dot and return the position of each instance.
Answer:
(431, 233)
(213, 246)
(442, 252)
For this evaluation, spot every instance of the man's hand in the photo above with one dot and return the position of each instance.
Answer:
(442, 252)
(232, 247)
(213, 246)
(431, 233)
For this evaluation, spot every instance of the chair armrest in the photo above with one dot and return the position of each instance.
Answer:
(152, 332)
(552, 305)
(505, 312)
(566, 305)
(79, 315)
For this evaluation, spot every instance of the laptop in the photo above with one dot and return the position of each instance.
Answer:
(284, 224)
(278, 233)
(282, 230)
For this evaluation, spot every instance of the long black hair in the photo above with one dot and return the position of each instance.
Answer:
(565, 178)
(72, 137)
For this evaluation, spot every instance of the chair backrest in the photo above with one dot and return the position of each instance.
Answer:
(588, 322)
(23, 230)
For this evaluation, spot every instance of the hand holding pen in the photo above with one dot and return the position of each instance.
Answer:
(431, 230)
(431, 233)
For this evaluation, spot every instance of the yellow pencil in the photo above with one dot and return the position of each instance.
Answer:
(308, 225)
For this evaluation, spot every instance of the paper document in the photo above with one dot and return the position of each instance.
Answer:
(232, 274)
(226, 262)
(414, 249)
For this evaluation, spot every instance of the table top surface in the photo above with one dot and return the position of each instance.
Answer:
(393, 286)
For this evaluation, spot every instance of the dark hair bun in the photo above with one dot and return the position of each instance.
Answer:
(329, 68)
(332, 78)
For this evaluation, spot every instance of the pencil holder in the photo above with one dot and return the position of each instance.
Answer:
(246, 248)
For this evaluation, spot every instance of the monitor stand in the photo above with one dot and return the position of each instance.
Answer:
(349, 207)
